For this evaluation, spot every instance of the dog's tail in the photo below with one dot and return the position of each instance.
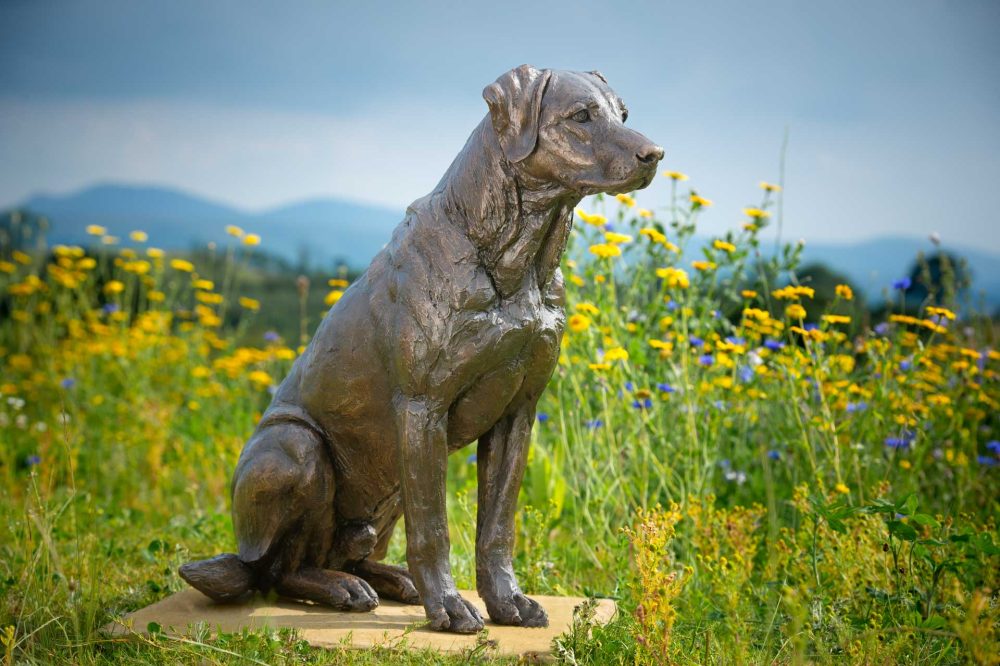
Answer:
(223, 578)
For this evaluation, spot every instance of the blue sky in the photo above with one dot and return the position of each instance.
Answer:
(892, 107)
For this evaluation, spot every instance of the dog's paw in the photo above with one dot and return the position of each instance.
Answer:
(455, 614)
(517, 610)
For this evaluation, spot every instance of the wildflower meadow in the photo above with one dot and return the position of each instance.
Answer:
(758, 473)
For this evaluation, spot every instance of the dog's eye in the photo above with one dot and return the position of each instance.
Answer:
(581, 116)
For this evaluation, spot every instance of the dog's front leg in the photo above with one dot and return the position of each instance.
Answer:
(423, 459)
(502, 455)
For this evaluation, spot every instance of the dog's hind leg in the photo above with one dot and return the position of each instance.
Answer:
(337, 589)
(223, 578)
(390, 581)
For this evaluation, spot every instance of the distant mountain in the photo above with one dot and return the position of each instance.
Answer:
(319, 232)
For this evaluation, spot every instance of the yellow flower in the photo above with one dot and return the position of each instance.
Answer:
(337, 282)
(941, 312)
(616, 239)
(836, 319)
(674, 277)
(21, 257)
(579, 322)
(597, 367)
(844, 291)
(249, 303)
(606, 250)
(154, 253)
(616, 354)
(7, 267)
(251, 239)
(139, 236)
(769, 187)
(96, 230)
(109, 240)
(750, 226)
(181, 265)
(644, 212)
(795, 311)
(704, 265)
(756, 213)
(114, 287)
(234, 230)
(842, 489)
(592, 218)
(588, 308)
(625, 199)
(699, 201)
(748, 293)
(333, 296)
(793, 292)
(261, 378)
(576, 279)
(723, 245)
(156, 296)
(653, 234)
(675, 175)
(207, 285)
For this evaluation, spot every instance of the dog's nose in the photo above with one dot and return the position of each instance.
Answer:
(650, 154)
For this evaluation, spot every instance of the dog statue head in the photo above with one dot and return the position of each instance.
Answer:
(569, 128)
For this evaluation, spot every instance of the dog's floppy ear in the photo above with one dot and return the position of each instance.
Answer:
(515, 100)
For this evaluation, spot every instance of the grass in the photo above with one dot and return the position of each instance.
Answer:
(754, 480)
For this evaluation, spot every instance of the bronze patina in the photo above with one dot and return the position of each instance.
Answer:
(449, 337)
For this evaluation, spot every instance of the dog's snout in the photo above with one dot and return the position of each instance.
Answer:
(650, 154)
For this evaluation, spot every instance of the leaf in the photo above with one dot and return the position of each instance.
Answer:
(154, 628)
(901, 530)
(924, 519)
(934, 622)
(909, 505)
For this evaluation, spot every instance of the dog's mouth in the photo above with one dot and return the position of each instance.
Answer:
(640, 179)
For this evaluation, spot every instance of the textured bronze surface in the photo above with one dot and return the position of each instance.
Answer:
(449, 337)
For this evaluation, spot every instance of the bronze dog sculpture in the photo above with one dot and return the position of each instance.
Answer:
(450, 336)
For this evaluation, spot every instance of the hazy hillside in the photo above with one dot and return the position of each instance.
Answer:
(320, 232)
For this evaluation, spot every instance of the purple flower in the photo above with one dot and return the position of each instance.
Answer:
(31, 461)
(672, 305)
(68, 383)
(899, 442)
(609, 227)
(774, 454)
(902, 284)
(905, 365)
(542, 417)
(110, 308)
(695, 341)
(859, 406)
(746, 374)
(271, 336)
(593, 424)
(810, 327)
(987, 461)
(706, 360)
(774, 345)
(665, 388)
(994, 446)
(882, 329)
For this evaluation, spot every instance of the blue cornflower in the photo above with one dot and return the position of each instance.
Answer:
(859, 406)
(706, 359)
(665, 388)
(746, 374)
(810, 326)
(672, 305)
(609, 227)
(994, 446)
(902, 284)
(899, 442)
(31, 461)
(629, 386)
(987, 461)
(905, 365)
(594, 423)
(695, 341)
(111, 308)
(774, 345)
(68, 383)
(643, 404)
(472, 458)
(773, 454)
(542, 417)
(735, 340)
(882, 329)
(271, 336)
